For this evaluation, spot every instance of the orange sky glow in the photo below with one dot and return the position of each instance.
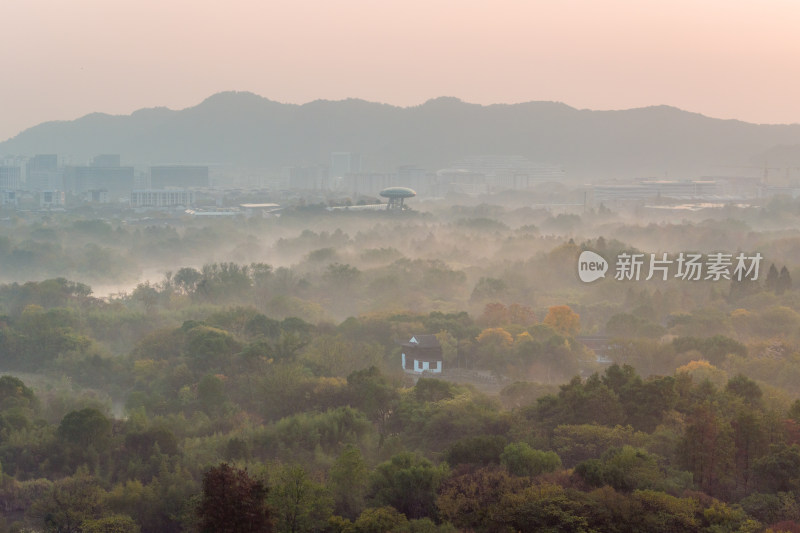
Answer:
(727, 59)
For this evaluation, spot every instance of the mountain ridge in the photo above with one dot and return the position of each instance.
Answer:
(239, 128)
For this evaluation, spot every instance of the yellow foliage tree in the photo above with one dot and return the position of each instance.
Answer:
(563, 319)
(701, 370)
(494, 345)
(495, 336)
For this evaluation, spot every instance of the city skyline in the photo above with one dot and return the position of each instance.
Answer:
(722, 59)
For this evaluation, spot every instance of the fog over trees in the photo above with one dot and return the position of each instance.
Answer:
(256, 374)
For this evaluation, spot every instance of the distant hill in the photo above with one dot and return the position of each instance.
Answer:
(243, 129)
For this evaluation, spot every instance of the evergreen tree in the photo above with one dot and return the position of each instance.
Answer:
(772, 278)
(784, 281)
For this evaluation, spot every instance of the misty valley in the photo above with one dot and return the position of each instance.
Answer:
(399, 267)
(432, 369)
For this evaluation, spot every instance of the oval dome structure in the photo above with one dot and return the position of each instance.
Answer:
(398, 192)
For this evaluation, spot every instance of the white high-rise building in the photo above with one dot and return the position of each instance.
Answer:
(343, 163)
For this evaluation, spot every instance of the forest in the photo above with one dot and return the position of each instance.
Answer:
(245, 375)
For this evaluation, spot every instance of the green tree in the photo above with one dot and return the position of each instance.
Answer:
(143, 443)
(541, 508)
(380, 520)
(778, 470)
(744, 388)
(624, 469)
(374, 395)
(111, 524)
(85, 428)
(623, 325)
(232, 502)
(494, 346)
(470, 500)
(261, 325)
(348, 482)
(147, 295)
(489, 288)
(522, 460)
(68, 504)
(186, 279)
(658, 512)
(432, 390)
(211, 393)
(577, 443)
(408, 483)
(481, 450)
(631, 325)
(299, 504)
(341, 276)
(723, 518)
(707, 449)
(643, 402)
(592, 402)
(15, 395)
(209, 348)
(715, 348)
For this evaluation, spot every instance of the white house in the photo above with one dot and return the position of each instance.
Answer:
(422, 353)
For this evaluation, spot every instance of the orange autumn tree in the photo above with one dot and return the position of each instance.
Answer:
(521, 314)
(563, 319)
(494, 315)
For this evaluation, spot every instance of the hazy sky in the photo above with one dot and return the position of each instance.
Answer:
(61, 59)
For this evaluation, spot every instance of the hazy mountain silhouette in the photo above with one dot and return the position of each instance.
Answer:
(243, 129)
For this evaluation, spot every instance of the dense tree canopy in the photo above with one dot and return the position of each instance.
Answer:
(236, 395)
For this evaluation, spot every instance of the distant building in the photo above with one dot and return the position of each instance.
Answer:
(43, 174)
(116, 180)
(367, 184)
(97, 196)
(344, 163)
(767, 191)
(738, 186)
(179, 176)
(417, 178)
(422, 353)
(50, 199)
(503, 172)
(647, 189)
(8, 198)
(162, 198)
(614, 193)
(519, 179)
(48, 162)
(106, 160)
(683, 189)
(462, 181)
(309, 178)
(10, 178)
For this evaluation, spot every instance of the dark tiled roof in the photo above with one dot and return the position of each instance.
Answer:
(423, 341)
